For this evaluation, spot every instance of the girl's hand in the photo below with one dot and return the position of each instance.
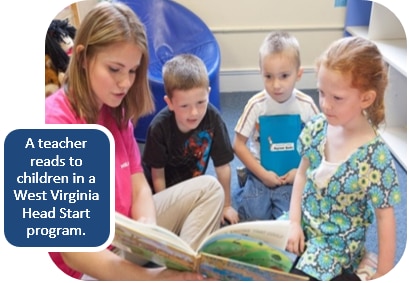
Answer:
(295, 243)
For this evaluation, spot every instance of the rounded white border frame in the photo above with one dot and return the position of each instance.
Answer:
(111, 185)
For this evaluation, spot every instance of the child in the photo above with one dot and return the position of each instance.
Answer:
(106, 83)
(347, 176)
(183, 136)
(266, 195)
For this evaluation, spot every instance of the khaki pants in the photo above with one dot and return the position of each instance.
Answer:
(191, 209)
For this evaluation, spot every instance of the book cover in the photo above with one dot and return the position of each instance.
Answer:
(243, 251)
(218, 267)
(278, 140)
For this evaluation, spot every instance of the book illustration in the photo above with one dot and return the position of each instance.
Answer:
(243, 251)
(249, 250)
(274, 232)
(278, 139)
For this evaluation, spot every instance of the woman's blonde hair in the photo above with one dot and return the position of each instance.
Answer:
(106, 24)
(361, 60)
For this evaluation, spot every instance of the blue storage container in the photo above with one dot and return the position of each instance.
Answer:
(173, 29)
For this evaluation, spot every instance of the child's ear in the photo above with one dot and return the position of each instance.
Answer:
(299, 73)
(367, 98)
(168, 102)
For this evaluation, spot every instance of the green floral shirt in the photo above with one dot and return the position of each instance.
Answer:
(336, 217)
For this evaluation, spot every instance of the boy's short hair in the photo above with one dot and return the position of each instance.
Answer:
(184, 72)
(279, 42)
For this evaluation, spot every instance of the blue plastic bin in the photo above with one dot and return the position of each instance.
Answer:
(173, 29)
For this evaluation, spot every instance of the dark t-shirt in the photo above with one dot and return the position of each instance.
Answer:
(185, 155)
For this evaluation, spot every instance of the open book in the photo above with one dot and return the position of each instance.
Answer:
(244, 251)
(278, 139)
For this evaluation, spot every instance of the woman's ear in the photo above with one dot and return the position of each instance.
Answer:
(367, 98)
(79, 49)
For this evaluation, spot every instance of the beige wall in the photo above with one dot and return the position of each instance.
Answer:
(240, 25)
(82, 8)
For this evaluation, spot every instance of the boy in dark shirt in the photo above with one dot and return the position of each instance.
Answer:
(186, 134)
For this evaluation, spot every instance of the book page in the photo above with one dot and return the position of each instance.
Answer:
(274, 232)
(161, 253)
(153, 231)
(151, 242)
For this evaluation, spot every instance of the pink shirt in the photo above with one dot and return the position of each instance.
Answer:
(127, 156)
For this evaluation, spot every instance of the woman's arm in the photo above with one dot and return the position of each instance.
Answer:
(143, 208)
(106, 265)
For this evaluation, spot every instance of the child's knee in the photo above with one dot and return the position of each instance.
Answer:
(212, 185)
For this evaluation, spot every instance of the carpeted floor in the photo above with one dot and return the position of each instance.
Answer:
(232, 105)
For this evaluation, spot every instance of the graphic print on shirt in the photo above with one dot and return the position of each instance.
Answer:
(197, 147)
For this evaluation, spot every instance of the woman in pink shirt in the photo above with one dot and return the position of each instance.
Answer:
(106, 83)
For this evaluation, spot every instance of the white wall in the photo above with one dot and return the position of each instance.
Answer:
(240, 26)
